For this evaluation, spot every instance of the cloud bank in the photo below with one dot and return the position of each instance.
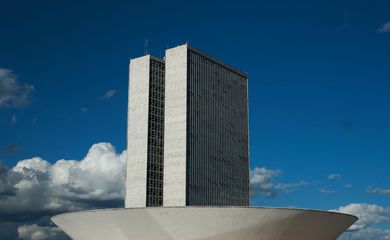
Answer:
(35, 188)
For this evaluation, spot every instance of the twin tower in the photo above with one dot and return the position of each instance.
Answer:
(187, 136)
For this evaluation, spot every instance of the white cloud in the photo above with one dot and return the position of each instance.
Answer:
(35, 232)
(367, 234)
(84, 109)
(334, 176)
(378, 191)
(262, 182)
(36, 187)
(325, 190)
(368, 225)
(384, 28)
(109, 94)
(12, 93)
(290, 187)
(369, 214)
(348, 185)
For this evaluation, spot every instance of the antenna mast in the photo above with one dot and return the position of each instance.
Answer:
(146, 46)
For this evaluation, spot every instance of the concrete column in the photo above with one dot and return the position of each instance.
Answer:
(175, 126)
(137, 132)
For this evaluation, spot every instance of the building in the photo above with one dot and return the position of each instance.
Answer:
(145, 133)
(187, 148)
(201, 156)
(206, 157)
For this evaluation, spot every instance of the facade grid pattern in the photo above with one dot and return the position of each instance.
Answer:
(155, 158)
(217, 137)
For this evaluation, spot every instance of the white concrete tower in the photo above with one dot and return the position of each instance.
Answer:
(187, 132)
(175, 171)
(145, 133)
(137, 132)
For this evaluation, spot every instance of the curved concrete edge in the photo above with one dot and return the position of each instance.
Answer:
(201, 223)
(249, 207)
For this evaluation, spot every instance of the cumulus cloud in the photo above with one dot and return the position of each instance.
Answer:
(384, 28)
(12, 93)
(35, 188)
(378, 191)
(109, 94)
(334, 176)
(371, 216)
(262, 182)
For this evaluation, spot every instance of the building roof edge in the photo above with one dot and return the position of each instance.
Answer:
(243, 74)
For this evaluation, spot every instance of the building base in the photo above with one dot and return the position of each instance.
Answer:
(204, 223)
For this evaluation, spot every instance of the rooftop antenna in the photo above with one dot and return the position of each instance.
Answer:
(146, 46)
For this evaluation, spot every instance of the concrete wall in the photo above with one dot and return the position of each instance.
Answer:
(137, 132)
(175, 126)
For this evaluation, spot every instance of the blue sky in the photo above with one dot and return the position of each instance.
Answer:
(319, 84)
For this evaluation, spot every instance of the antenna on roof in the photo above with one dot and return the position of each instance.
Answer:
(146, 46)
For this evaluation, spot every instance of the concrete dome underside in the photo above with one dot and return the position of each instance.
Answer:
(201, 223)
